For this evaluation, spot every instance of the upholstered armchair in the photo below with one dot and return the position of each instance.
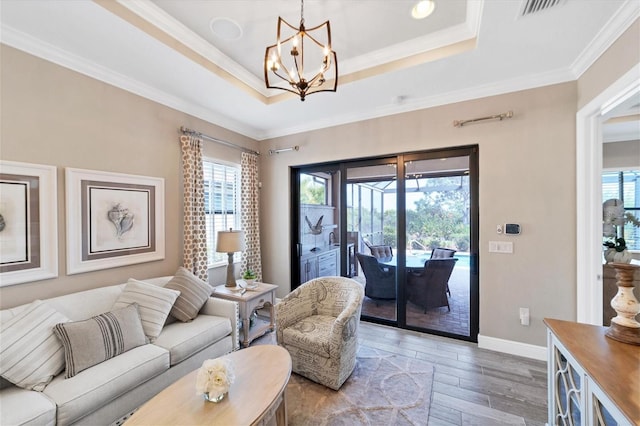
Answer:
(428, 289)
(318, 324)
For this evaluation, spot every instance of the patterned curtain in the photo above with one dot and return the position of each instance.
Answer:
(195, 227)
(250, 222)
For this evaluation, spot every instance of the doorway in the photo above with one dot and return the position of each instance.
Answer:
(589, 194)
(390, 218)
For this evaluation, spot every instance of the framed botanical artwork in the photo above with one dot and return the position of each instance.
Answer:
(28, 222)
(113, 219)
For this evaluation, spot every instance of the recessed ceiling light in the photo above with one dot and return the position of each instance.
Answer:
(422, 9)
(225, 28)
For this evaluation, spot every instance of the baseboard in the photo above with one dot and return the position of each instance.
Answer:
(513, 348)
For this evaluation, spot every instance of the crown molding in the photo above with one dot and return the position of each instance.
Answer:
(175, 29)
(36, 47)
(409, 105)
(157, 17)
(625, 16)
(610, 32)
(440, 39)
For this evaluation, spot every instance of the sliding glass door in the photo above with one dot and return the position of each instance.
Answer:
(438, 230)
(405, 227)
(371, 227)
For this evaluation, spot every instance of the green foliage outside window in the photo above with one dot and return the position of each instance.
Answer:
(313, 189)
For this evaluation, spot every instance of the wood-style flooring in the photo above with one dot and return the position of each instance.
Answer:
(471, 386)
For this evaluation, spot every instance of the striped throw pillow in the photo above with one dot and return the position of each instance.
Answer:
(193, 294)
(90, 342)
(31, 354)
(154, 304)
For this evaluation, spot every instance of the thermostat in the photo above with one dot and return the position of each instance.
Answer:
(512, 228)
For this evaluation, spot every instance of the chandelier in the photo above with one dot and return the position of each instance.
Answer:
(287, 66)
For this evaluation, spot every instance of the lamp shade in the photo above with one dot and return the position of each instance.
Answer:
(230, 241)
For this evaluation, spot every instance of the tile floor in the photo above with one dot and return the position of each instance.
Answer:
(472, 386)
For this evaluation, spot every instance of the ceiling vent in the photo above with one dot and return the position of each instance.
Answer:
(534, 6)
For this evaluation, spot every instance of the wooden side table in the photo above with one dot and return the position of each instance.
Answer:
(264, 296)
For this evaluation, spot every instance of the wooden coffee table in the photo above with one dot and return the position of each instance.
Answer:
(258, 393)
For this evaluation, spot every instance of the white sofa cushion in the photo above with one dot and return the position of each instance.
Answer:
(31, 354)
(95, 387)
(185, 339)
(154, 304)
(92, 341)
(26, 408)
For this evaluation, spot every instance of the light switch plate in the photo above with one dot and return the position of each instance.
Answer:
(500, 247)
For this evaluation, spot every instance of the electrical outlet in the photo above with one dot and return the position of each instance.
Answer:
(524, 316)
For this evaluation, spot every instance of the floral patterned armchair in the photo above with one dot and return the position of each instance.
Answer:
(318, 324)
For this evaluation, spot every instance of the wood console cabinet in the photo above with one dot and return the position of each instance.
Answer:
(592, 380)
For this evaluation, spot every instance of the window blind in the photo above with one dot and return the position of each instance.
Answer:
(222, 204)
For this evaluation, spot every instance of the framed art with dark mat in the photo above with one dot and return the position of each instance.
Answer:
(113, 219)
(28, 222)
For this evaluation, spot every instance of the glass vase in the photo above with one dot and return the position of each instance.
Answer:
(214, 398)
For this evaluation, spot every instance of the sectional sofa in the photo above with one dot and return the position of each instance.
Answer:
(104, 392)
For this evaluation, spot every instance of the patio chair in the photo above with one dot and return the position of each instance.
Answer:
(428, 288)
(443, 253)
(383, 252)
(380, 279)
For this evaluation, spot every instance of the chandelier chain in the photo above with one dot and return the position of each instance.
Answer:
(302, 11)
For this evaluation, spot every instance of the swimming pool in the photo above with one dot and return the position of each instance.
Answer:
(464, 259)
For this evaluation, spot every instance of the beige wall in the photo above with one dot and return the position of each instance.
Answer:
(621, 56)
(527, 174)
(621, 155)
(51, 115)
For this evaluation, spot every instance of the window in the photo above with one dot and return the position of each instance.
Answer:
(222, 204)
(313, 189)
(625, 186)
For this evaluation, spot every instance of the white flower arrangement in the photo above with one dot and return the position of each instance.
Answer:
(215, 377)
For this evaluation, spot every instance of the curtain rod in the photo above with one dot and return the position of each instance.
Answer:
(460, 123)
(187, 131)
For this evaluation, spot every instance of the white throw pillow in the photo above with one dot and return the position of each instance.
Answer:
(154, 304)
(31, 354)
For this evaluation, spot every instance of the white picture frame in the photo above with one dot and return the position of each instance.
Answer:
(28, 222)
(113, 219)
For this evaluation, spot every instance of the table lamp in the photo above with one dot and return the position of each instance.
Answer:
(230, 242)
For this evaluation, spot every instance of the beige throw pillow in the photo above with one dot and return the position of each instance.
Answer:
(154, 304)
(193, 294)
(31, 354)
(90, 342)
